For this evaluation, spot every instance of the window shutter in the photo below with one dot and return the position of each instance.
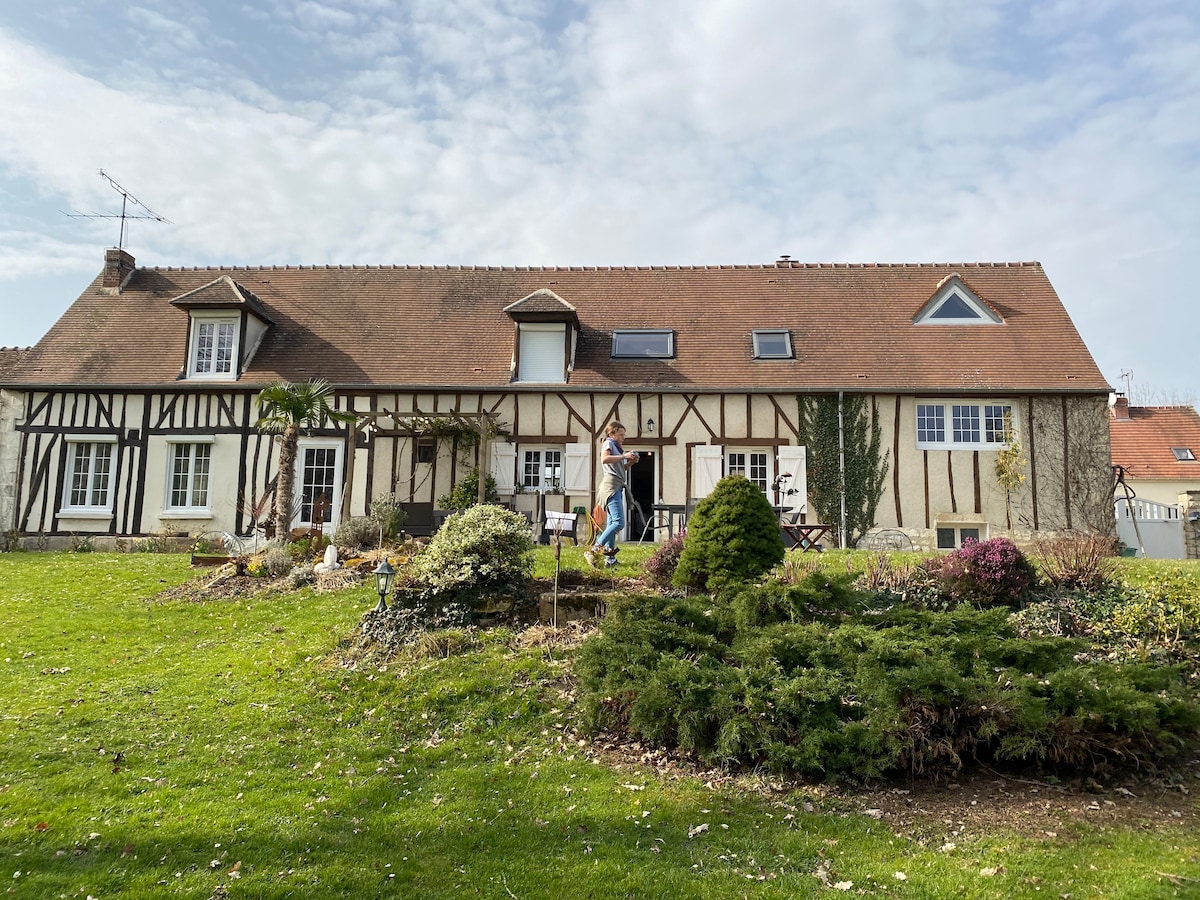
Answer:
(793, 461)
(542, 353)
(577, 468)
(504, 466)
(707, 461)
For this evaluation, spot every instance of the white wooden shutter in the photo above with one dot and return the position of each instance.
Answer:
(504, 466)
(793, 461)
(577, 468)
(707, 461)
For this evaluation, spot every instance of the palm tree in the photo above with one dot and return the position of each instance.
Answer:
(284, 409)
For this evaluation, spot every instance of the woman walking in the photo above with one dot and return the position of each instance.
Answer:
(611, 493)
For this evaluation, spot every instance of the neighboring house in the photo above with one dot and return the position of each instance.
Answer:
(135, 414)
(1157, 451)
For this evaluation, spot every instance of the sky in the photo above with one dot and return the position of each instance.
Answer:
(618, 132)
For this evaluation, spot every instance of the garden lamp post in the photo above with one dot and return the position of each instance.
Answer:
(384, 575)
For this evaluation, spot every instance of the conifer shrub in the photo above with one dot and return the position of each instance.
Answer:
(986, 573)
(732, 537)
(483, 552)
(863, 694)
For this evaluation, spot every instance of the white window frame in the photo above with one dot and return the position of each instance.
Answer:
(759, 353)
(980, 529)
(218, 320)
(766, 466)
(89, 509)
(546, 483)
(667, 353)
(335, 502)
(188, 511)
(965, 424)
(532, 342)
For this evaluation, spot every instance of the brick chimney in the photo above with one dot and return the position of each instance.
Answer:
(1120, 411)
(118, 266)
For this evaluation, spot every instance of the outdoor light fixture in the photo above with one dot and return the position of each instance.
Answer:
(384, 575)
(650, 425)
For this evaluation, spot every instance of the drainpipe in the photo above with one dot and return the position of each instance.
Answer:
(842, 468)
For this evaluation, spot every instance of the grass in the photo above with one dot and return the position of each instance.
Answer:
(153, 748)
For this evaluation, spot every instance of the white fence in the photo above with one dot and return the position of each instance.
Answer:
(1159, 524)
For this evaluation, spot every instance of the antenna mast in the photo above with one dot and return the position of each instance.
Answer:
(126, 199)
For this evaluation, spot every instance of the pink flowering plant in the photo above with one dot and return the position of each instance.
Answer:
(986, 573)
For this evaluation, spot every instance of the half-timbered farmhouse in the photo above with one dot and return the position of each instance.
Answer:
(136, 413)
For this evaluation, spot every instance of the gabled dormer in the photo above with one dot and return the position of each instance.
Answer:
(226, 324)
(954, 303)
(547, 331)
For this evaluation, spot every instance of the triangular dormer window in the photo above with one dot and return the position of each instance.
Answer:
(953, 303)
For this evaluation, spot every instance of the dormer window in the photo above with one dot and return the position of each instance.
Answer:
(226, 325)
(547, 330)
(213, 348)
(642, 343)
(953, 303)
(773, 344)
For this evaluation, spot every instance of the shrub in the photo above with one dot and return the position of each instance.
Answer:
(986, 573)
(1077, 561)
(485, 551)
(901, 690)
(466, 493)
(660, 567)
(277, 561)
(732, 537)
(387, 515)
(359, 533)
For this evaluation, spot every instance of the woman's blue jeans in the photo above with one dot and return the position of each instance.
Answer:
(616, 521)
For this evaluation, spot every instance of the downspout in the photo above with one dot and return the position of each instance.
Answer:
(842, 468)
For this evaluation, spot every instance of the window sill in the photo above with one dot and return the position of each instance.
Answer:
(186, 514)
(77, 513)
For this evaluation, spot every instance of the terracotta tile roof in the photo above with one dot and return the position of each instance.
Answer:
(1143, 443)
(222, 293)
(400, 326)
(10, 356)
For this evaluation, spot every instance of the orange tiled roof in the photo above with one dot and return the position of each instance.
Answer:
(1143, 443)
(427, 326)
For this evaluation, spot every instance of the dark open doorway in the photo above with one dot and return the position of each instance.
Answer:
(642, 495)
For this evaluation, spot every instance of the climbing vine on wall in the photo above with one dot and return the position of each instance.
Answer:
(866, 466)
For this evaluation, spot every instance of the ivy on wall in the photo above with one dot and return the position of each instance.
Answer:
(866, 466)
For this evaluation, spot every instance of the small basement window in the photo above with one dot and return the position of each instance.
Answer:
(1183, 454)
(640, 343)
(951, 537)
(772, 344)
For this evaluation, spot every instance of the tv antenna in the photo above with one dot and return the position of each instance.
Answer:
(1127, 377)
(124, 215)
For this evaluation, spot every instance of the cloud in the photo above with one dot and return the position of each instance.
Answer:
(525, 131)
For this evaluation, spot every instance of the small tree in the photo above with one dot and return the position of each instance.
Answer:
(284, 409)
(466, 493)
(732, 537)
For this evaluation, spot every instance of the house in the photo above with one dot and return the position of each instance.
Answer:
(1157, 451)
(135, 414)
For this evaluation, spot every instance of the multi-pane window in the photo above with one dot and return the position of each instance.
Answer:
(931, 423)
(972, 425)
(190, 468)
(950, 538)
(90, 465)
(317, 477)
(542, 469)
(214, 342)
(753, 464)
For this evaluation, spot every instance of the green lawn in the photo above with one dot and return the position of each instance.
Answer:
(177, 749)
